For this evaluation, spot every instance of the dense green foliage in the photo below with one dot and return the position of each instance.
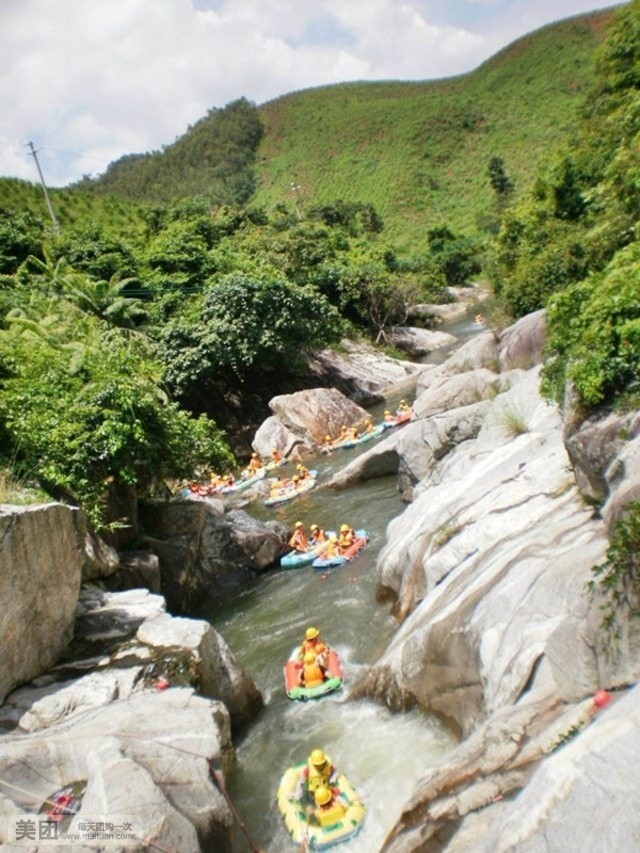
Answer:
(572, 244)
(618, 578)
(120, 353)
(213, 159)
(82, 400)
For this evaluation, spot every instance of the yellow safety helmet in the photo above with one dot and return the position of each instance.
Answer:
(322, 795)
(254, 455)
(311, 633)
(314, 527)
(309, 657)
(295, 478)
(298, 467)
(333, 538)
(317, 758)
(327, 438)
(298, 524)
(344, 528)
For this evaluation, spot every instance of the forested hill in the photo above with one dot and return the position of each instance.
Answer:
(417, 151)
(214, 159)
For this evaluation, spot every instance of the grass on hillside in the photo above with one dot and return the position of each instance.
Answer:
(72, 207)
(419, 151)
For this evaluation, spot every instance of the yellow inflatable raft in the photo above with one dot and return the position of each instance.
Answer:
(301, 823)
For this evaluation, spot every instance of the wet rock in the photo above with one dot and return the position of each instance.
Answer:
(41, 561)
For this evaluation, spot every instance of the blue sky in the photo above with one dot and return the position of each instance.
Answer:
(90, 80)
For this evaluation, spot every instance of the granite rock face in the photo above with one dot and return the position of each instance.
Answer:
(41, 560)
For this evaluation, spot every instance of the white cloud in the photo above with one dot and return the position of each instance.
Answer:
(90, 80)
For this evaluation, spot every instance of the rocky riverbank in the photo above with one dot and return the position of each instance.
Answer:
(487, 570)
(510, 503)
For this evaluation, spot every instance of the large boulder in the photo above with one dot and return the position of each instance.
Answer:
(594, 446)
(417, 342)
(41, 562)
(446, 392)
(456, 801)
(363, 373)
(217, 673)
(584, 795)
(205, 552)
(124, 643)
(479, 536)
(147, 757)
(310, 415)
(480, 351)
(100, 559)
(521, 345)
(623, 480)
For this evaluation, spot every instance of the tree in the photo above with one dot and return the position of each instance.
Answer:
(501, 184)
(82, 403)
(243, 327)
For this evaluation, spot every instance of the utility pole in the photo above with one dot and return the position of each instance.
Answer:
(56, 224)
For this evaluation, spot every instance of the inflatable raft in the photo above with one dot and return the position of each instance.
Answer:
(398, 420)
(320, 563)
(298, 559)
(354, 442)
(243, 483)
(295, 690)
(290, 493)
(304, 828)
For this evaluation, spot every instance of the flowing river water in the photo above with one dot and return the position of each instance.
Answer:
(382, 754)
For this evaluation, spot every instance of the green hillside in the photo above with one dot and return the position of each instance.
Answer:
(419, 151)
(72, 206)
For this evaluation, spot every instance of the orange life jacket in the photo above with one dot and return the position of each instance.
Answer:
(299, 541)
(312, 675)
(346, 539)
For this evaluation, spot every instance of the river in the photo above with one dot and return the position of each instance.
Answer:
(382, 754)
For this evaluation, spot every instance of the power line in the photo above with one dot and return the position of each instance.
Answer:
(56, 224)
